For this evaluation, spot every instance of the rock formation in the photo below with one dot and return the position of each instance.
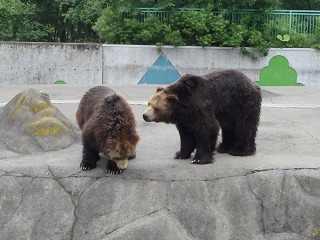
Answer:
(30, 123)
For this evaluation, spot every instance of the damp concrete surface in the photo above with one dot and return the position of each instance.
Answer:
(274, 194)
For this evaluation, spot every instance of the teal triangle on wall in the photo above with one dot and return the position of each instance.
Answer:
(161, 72)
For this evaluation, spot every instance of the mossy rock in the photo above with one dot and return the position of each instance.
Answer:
(47, 126)
(31, 119)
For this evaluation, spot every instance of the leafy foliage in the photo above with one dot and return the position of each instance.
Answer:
(301, 5)
(195, 28)
(18, 22)
(118, 21)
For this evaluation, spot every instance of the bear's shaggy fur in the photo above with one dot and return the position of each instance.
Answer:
(201, 105)
(108, 126)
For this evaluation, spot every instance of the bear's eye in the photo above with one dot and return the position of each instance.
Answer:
(156, 109)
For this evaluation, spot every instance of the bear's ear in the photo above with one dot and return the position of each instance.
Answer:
(190, 80)
(172, 97)
(159, 89)
(111, 99)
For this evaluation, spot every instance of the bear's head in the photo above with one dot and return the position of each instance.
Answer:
(160, 106)
(121, 148)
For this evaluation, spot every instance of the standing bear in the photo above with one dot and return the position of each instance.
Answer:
(201, 105)
(108, 126)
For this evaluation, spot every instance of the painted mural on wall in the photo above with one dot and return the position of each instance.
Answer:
(161, 72)
(278, 73)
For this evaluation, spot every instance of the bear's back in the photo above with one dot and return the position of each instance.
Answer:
(226, 89)
(230, 79)
(89, 102)
(113, 113)
(233, 85)
(112, 117)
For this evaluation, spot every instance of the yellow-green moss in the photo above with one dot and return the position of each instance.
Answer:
(19, 112)
(47, 112)
(315, 231)
(38, 106)
(12, 114)
(28, 102)
(21, 99)
(45, 127)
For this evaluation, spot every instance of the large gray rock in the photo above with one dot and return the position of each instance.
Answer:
(273, 204)
(30, 123)
(35, 208)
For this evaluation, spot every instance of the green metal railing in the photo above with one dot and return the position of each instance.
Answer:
(299, 21)
(289, 20)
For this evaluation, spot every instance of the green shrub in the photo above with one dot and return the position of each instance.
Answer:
(203, 28)
(193, 27)
(316, 37)
(235, 35)
(108, 26)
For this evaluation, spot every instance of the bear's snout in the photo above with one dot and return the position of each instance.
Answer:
(145, 117)
(122, 164)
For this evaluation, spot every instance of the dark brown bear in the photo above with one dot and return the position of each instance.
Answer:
(108, 126)
(200, 105)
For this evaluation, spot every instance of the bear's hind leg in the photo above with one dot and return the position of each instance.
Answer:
(89, 158)
(187, 141)
(239, 150)
(206, 146)
(245, 134)
(227, 141)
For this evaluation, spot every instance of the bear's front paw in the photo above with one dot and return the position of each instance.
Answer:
(201, 161)
(177, 155)
(112, 168)
(87, 166)
(180, 155)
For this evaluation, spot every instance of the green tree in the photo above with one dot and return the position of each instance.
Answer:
(50, 20)
(104, 20)
(78, 18)
(301, 5)
(18, 22)
(72, 20)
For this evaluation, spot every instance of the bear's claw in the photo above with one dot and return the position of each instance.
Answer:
(115, 172)
(86, 167)
(200, 161)
(180, 155)
(195, 161)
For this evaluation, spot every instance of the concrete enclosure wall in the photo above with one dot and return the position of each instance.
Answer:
(128, 64)
(46, 63)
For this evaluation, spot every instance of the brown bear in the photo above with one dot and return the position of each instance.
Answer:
(108, 126)
(201, 105)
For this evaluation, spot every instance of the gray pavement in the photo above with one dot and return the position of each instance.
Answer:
(272, 195)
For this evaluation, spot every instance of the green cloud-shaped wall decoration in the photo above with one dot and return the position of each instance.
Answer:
(278, 73)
